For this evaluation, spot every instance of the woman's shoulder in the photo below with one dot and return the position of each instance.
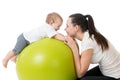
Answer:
(87, 37)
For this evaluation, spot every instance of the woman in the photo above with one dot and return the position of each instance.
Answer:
(95, 48)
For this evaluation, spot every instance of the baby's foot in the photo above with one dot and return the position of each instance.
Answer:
(5, 62)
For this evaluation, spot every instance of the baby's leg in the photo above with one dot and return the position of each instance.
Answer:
(14, 59)
(20, 45)
(7, 58)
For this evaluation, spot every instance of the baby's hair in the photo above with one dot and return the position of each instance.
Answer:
(53, 16)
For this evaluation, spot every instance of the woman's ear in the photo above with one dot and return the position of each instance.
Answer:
(77, 27)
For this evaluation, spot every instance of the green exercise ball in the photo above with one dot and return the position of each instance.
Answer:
(46, 59)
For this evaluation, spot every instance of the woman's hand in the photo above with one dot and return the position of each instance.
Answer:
(71, 43)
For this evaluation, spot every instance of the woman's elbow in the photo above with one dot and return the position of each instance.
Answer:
(80, 74)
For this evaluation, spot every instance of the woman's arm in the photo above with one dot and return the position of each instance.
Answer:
(82, 61)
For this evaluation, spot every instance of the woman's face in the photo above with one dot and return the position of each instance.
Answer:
(70, 29)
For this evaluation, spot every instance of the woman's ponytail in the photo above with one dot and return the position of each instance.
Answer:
(100, 39)
(90, 24)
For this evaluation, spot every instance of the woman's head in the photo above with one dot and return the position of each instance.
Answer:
(80, 20)
(76, 22)
(81, 23)
(85, 22)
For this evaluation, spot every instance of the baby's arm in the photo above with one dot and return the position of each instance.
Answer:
(59, 37)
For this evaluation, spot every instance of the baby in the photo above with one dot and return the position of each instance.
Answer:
(49, 29)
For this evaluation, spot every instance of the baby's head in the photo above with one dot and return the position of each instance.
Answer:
(55, 20)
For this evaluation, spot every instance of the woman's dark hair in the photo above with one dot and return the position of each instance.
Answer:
(86, 23)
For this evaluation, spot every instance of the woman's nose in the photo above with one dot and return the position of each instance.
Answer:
(65, 29)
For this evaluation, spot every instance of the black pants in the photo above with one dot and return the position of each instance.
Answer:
(95, 74)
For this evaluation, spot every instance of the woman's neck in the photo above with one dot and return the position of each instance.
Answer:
(79, 36)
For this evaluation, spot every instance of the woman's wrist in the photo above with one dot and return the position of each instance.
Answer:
(75, 50)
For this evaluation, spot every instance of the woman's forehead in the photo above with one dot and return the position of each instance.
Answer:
(68, 20)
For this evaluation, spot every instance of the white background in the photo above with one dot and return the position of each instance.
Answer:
(17, 16)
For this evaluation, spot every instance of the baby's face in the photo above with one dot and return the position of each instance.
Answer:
(56, 25)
